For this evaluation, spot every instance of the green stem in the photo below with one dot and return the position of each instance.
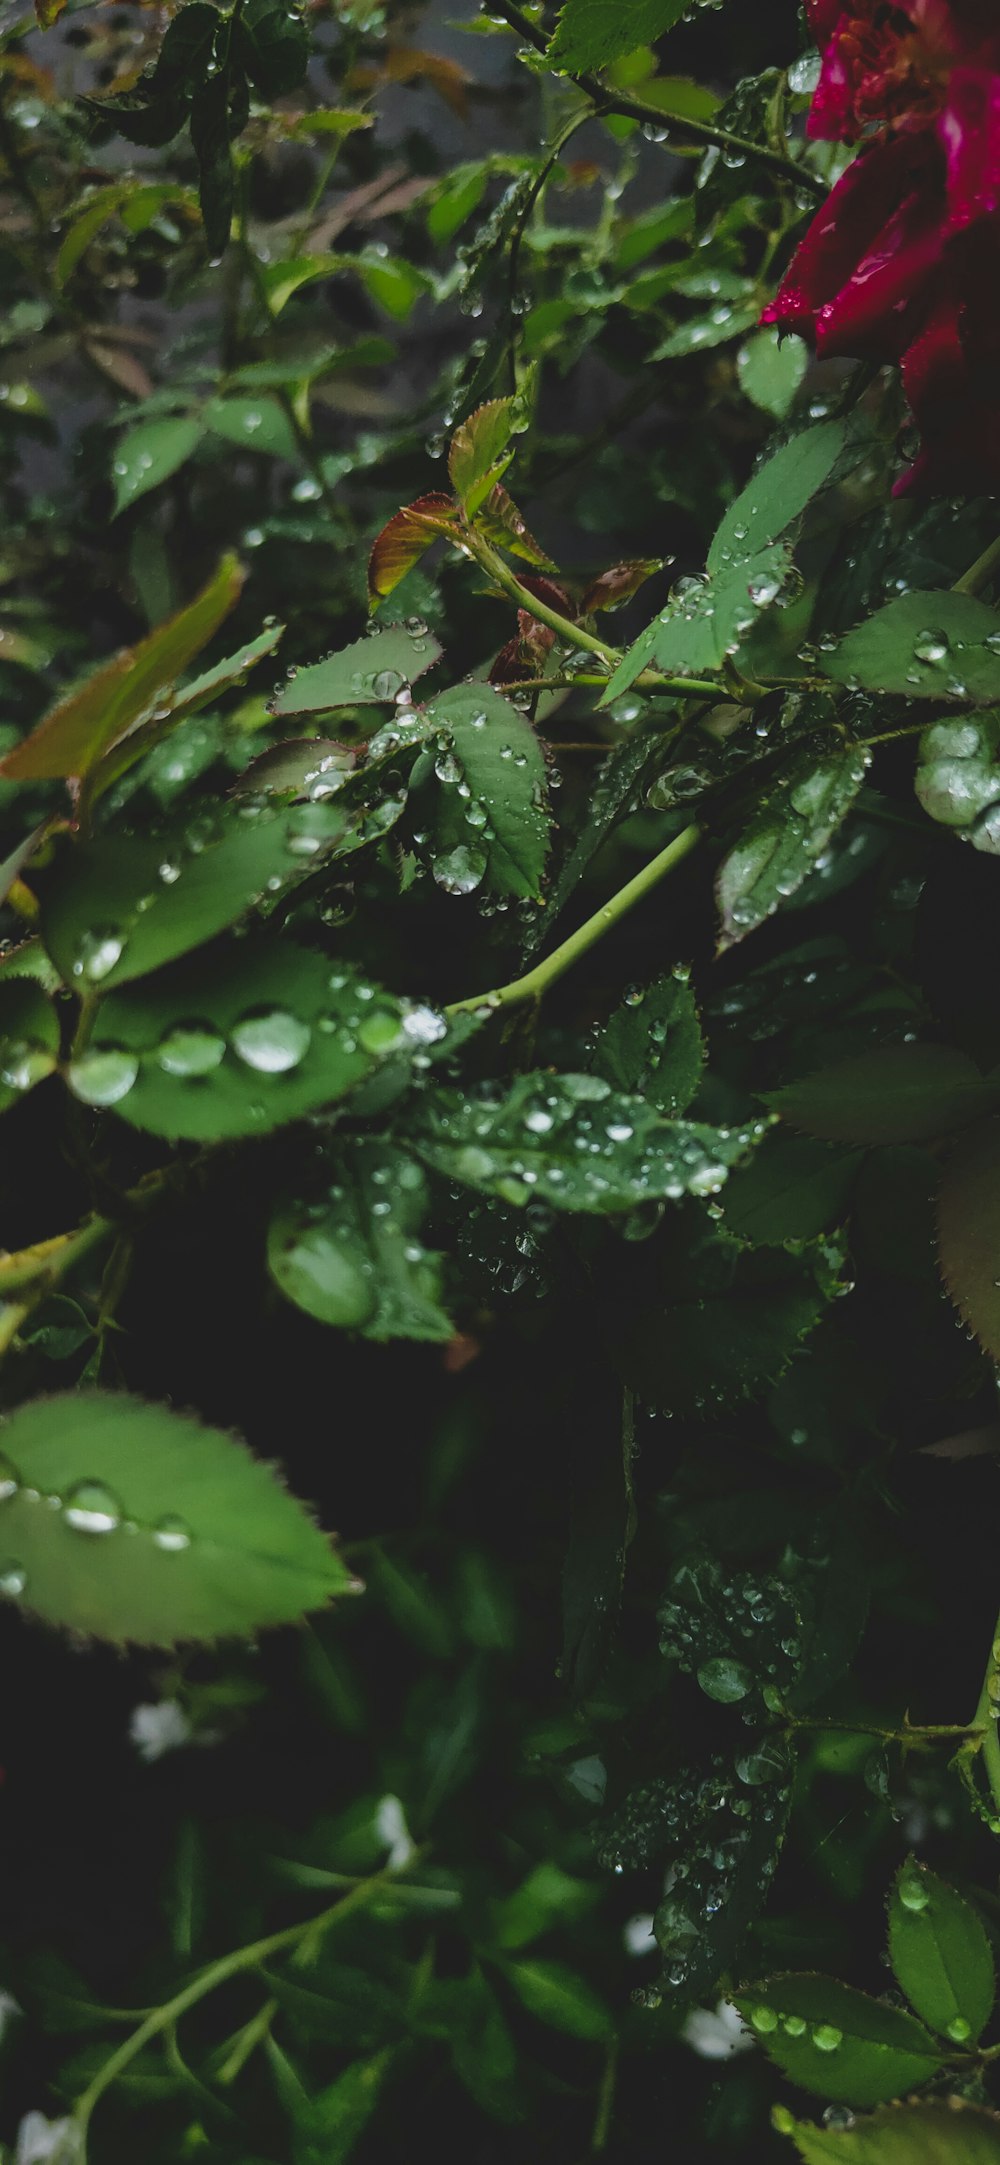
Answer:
(978, 573)
(573, 635)
(920, 1733)
(209, 1980)
(537, 981)
(700, 131)
(985, 1719)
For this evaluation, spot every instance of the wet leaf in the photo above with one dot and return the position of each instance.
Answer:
(786, 837)
(791, 1189)
(29, 1038)
(149, 454)
(273, 43)
(482, 802)
(253, 424)
(836, 2042)
(923, 646)
(958, 777)
(217, 1047)
(479, 454)
(589, 33)
(164, 1530)
(653, 1045)
(942, 2131)
(573, 1143)
(771, 368)
(371, 672)
(355, 1257)
(969, 1231)
(940, 1954)
(403, 541)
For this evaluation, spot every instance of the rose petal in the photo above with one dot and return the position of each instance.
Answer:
(969, 130)
(845, 231)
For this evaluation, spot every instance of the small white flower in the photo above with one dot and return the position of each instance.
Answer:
(716, 2033)
(47, 2142)
(638, 1936)
(157, 1729)
(391, 1828)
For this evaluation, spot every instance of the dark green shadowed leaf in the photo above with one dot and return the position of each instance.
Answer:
(969, 1232)
(894, 1094)
(164, 1530)
(652, 1045)
(356, 1258)
(273, 43)
(791, 1189)
(236, 1042)
(923, 646)
(836, 2042)
(940, 1954)
(371, 672)
(335, 2120)
(149, 454)
(942, 2131)
(556, 1996)
(787, 835)
(210, 141)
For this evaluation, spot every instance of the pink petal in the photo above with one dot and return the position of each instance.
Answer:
(873, 312)
(847, 228)
(831, 114)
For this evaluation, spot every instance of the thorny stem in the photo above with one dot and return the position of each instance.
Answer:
(537, 981)
(607, 100)
(915, 1733)
(219, 1973)
(985, 1718)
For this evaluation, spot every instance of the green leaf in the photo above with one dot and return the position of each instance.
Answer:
(487, 817)
(116, 907)
(652, 1045)
(254, 424)
(556, 1996)
(478, 454)
(210, 141)
(923, 646)
(837, 2042)
(75, 734)
(727, 320)
(942, 2131)
(893, 1094)
(358, 1260)
(590, 33)
(770, 369)
(29, 1038)
(548, 1898)
(370, 672)
(164, 1530)
(572, 1142)
(969, 1232)
(705, 620)
(149, 454)
(695, 1321)
(791, 1189)
(273, 43)
(483, 2052)
(788, 833)
(777, 494)
(336, 2118)
(940, 1954)
(234, 1043)
(958, 777)
(704, 1628)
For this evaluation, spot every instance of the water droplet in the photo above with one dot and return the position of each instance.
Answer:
(171, 1532)
(270, 1040)
(931, 646)
(424, 1026)
(191, 1048)
(913, 1894)
(959, 2031)
(838, 2116)
(826, 2037)
(387, 683)
(13, 1578)
(10, 1479)
(460, 871)
(724, 1679)
(92, 1508)
(103, 1076)
(763, 2020)
(22, 1064)
(98, 952)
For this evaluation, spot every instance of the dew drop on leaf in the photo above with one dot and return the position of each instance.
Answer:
(270, 1040)
(90, 1507)
(104, 1076)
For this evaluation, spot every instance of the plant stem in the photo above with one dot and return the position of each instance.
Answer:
(985, 1719)
(537, 981)
(573, 635)
(700, 131)
(978, 573)
(209, 1980)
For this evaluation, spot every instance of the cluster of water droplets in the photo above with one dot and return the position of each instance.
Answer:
(88, 1507)
(737, 1632)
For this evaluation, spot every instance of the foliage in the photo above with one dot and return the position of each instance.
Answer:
(521, 1086)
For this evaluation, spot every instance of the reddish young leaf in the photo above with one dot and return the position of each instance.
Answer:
(478, 454)
(969, 1231)
(618, 584)
(500, 521)
(402, 542)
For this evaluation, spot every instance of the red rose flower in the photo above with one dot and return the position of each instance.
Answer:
(886, 270)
